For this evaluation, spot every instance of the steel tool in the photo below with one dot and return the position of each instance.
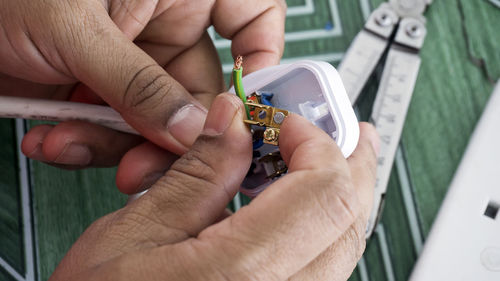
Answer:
(398, 28)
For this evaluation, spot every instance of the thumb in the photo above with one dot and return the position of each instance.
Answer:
(147, 97)
(195, 191)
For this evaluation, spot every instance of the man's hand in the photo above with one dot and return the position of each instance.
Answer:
(151, 60)
(308, 225)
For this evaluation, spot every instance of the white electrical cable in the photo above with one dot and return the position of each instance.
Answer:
(50, 110)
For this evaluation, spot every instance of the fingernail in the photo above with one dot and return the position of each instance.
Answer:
(74, 154)
(221, 114)
(187, 123)
(36, 153)
(149, 180)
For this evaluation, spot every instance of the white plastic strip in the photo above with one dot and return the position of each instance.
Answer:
(306, 9)
(363, 270)
(297, 35)
(408, 200)
(28, 220)
(496, 3)
(237, 202)
(6, 266)
(51, 110)
(384, 249)
(365, 8)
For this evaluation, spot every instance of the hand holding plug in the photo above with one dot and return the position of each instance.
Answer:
(308, 225)
(152, 61)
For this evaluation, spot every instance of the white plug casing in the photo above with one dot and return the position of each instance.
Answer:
(464, 242)
(314, 90)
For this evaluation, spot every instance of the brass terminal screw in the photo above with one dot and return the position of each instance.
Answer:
(270, 135)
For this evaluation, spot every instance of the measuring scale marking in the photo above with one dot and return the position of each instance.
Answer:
(359, 62)
(393, 98)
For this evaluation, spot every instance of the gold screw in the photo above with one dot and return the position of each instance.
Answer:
(270, 135)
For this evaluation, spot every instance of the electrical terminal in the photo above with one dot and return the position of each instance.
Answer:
(269, 117)
(268, 120)
(311, 89)
(274, 165)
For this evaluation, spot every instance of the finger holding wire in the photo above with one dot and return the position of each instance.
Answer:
(256, 29)
(238, 83)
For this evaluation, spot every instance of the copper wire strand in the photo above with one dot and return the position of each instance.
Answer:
(238, 62)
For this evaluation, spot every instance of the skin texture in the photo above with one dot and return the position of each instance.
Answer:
(151, 60)
(308, 225)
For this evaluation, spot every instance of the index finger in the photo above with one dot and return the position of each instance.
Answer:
(256, 29)
(128, 79)
(294, 219)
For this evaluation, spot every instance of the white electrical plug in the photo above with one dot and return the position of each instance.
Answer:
(312, 89)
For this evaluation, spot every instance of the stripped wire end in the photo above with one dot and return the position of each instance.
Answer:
(238, 62)
(238, 84)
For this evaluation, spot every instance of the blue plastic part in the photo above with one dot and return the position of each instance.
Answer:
(257, 144)
(265, 99)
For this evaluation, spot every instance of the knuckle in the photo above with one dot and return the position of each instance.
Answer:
(145, 86)
(129, 7)
(72, 26)
(147, 89)
(127, 223)
(172, 193)
(194, 168)
(79, 21)
(190, 176)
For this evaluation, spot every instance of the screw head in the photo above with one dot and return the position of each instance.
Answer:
(262, 114)
(269, 135)
(279, 117)
(414, 30)
(383, 19)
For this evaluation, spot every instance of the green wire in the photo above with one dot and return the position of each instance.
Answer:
(238, 88)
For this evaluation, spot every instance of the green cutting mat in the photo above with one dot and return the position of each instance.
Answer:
(44, 210)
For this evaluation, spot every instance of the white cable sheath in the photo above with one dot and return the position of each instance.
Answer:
(50, 110)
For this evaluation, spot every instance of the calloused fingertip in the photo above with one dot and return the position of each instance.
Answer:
(367, 131)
